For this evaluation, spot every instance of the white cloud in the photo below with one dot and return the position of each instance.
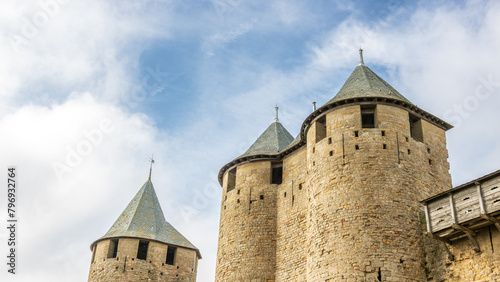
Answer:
(71, 75)
(57, 213)
(437, 59)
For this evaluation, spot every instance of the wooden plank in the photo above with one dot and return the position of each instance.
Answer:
(445, 232)
(490, 189)
(482, 207)
(491, 195)
(428, 219)
(466, 204)
(452, 209)
(491, 186)
(469, 234)
(440, 214)
(492, 219)
(444, 240)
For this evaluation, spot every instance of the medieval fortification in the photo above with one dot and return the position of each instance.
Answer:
(363, 193)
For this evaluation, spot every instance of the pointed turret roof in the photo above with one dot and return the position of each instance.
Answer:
(143, 218)
(274, 140)
(364, 83)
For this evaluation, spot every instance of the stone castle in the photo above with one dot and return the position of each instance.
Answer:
(363, 193)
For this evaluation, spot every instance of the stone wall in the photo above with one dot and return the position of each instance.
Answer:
(347, 209)
(291, 251)
(365, 184)
(247, 232)
(126, 267)
(467, 265)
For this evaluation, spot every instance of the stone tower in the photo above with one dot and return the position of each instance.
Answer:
(340, 201)
(247, 244)
(142, 246)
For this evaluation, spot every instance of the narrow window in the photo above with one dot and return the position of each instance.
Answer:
(277, 173)
(384, 146)
(357, 147)
(142, 252)
(331, 153)
(383, 132)
(430, 161)
(356, 133)
(113, 248)
(262, 197)
(238, 192)
(231, 179)
(238, 201)
(171, 251)
(409, 151)
(429, 150)
(320, 128)
(407, 140)
(300, 186)
(416, 128)
(314, 150)
(330, 140)
(368, 116)
(284, 194)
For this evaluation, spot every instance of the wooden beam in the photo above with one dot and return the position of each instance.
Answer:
(491, 219)
(452, 208)
(428, 218)
(434, 236)
(470, 234)
(450, 255)
(445, 242)
(480, 196)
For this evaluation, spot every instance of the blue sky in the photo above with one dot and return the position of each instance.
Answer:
(89, 90)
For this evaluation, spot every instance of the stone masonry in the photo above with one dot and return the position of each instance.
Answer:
(347, 206)
(127, 267)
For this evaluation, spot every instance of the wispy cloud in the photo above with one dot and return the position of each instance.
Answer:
(94, 62)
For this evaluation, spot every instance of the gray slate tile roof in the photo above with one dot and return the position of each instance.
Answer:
(295, 141)
(143, 218)
(363, 82)
(274, 140)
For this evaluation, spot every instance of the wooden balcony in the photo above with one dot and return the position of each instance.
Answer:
(460, 211)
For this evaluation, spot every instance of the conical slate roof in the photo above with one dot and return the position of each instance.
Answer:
(143, 218)
(295, 141)
(363, 83)
(274, 140)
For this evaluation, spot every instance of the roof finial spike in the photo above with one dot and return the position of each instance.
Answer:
(276, 113)
(361, 63)
(151, 167)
